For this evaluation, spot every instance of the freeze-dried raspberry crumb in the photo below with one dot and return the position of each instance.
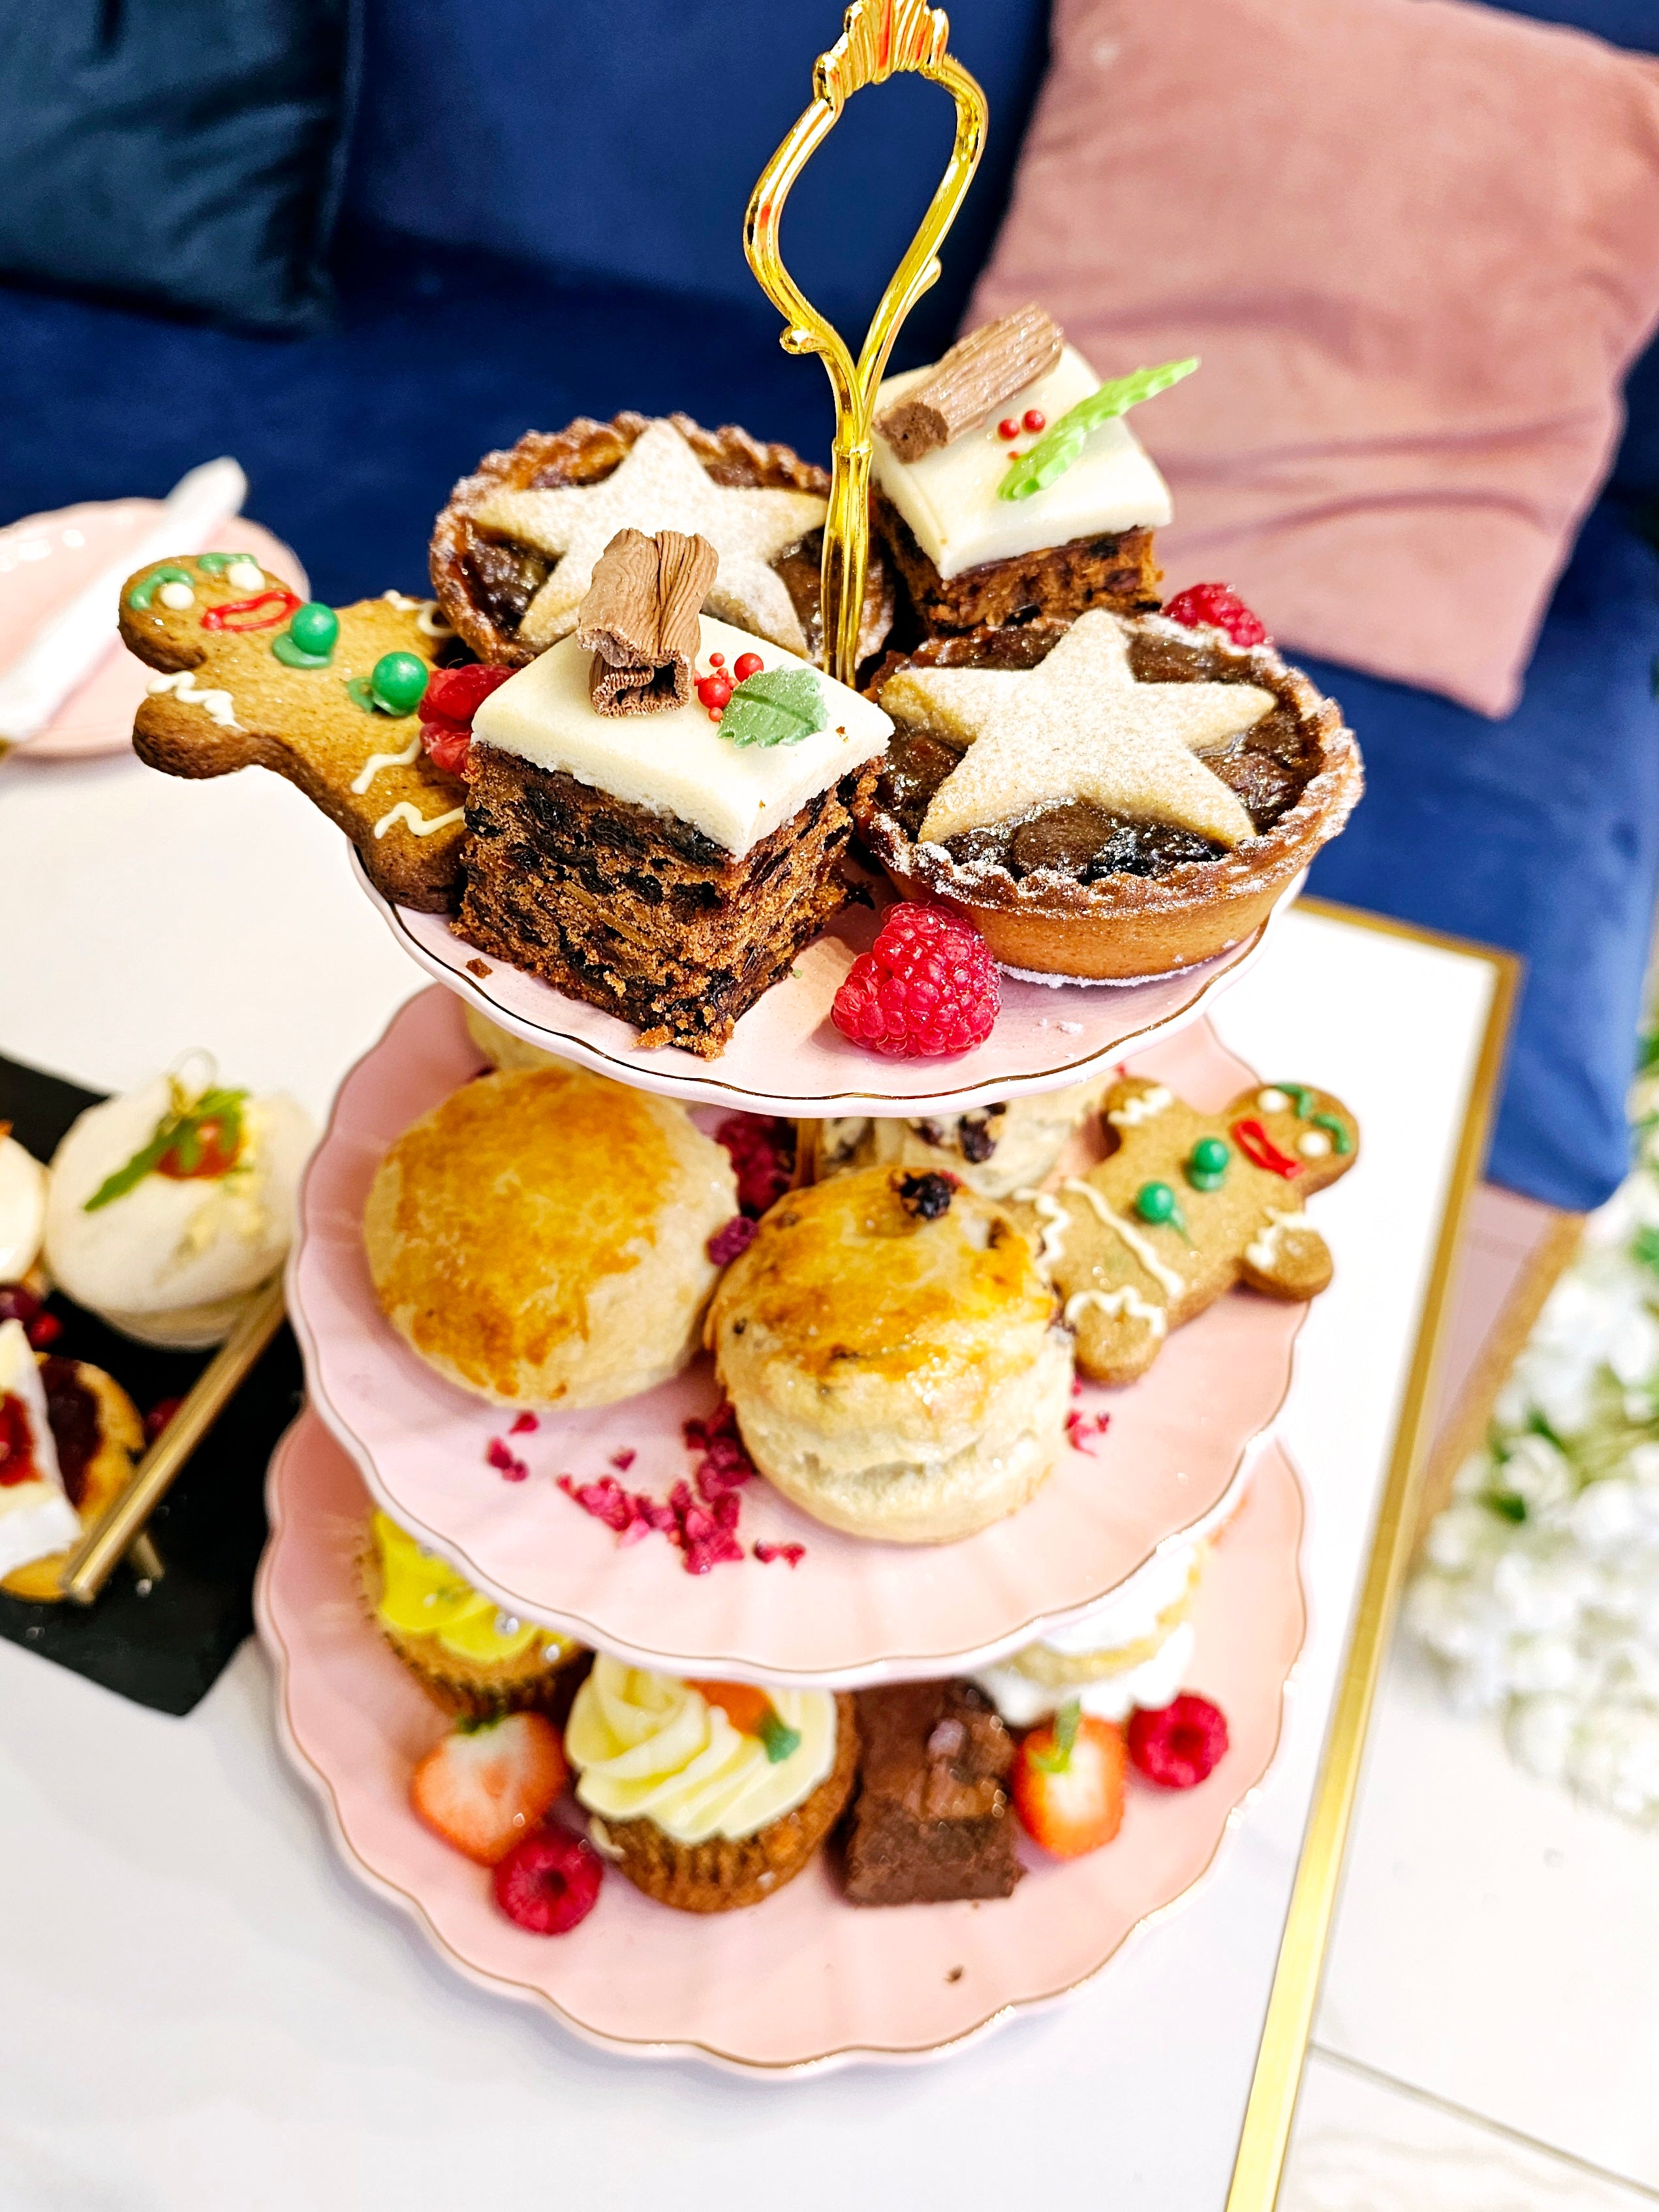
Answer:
(792, 1554)
(927, 987)
(1178, 1745)
(1216, 606)
(762, 1154)
(1082, 1431)
(505, 1463)
(606, 1499)
(736, 1236)
(700, 1523)
(621, 1461)
(525, 1426)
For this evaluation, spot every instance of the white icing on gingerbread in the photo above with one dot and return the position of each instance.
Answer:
(1262, 1252)
(176, 596)
(418, 825)
(376, 761)
(1146, 1106)
(1156, 1269)
(218, 705)
(1055, 1221)
(1313, 1144)
(1272, 1101)
(1125, 1300)
(245, 575)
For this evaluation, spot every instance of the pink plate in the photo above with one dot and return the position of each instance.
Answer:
(852, 1610)
(45, 559)
(787, 1057)
(804, 1980)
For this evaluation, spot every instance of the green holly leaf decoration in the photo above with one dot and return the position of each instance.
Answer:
(1058, 448)
(779, 706)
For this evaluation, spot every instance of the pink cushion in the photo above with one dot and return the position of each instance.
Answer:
(1416, 243)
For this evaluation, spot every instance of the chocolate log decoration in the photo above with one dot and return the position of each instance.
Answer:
(638, 619)
(972, 381)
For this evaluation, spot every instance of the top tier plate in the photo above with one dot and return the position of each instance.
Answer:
(787, 1057)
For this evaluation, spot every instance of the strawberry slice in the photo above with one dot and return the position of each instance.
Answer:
(1068, 1783)
(488, 1784)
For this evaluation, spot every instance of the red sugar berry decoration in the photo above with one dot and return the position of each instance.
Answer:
(1177, 1746)
(747, 665)
(1035, 420)
(1009, 426)
(717, 660)
(1216, 606)
(549, 1881)
(927, 987)
(714, 691)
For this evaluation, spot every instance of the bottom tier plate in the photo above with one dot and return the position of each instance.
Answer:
(805, 1981)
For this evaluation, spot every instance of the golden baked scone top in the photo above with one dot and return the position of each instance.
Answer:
(849, 1275)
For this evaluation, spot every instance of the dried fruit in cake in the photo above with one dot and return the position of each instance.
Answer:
(1178, 1745)
(168, 1208)
(968, 554)
(236, 688)
(1186, 1205)
(892, 1358)
(664, 866)
(926, 989)
(996, 1150)
(1105, 798)
(549, 1883)
(931, 1821)
(1067, 1782)
(539, 1237)
(708, 1797)
(490, 1784)
(513, 551)
(468, 1654)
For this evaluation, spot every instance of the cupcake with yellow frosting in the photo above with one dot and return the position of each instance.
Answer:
(474, 1659)
(708, 1795)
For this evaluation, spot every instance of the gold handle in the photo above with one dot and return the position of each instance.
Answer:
(92, 1564)
(879, 39)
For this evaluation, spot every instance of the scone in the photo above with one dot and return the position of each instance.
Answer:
(996, 1150)
(501, 1048)
(890, 1348)
(540, 1237)
(168, 1208)
(708, 1795)
(466, 1654)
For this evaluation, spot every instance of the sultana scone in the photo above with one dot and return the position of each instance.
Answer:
(891, 1352)
(996, 1150)
(540, 1237)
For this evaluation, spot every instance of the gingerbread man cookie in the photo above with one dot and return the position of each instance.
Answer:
(1187, 1205)
(248, 675)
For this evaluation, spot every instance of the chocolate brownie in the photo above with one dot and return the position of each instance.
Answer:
(1117, 572)
(931, 1820)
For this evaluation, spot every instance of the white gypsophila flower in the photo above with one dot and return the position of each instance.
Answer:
(1614, 1759)
(1541, 1583)
(1465, 1535)
(1605, 1516)
(1536, 1471)
(1540, 1732)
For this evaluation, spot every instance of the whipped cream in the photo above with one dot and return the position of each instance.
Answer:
(23, 1210)
(676, 762)
(1152, 1685)
(950, 499)
(36, 1517)
(648, 1747)
(172, 1260)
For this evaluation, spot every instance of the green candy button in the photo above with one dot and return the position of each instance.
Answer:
(398, 681)
(310, 638)
(1156, 1202)
(1207, 1164)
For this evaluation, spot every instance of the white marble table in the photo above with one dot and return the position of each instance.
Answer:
(206, 2009)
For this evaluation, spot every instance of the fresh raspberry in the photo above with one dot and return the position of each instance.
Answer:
(455, 695)
(447, 748)
(549, 1881)
(1216, 606)
(17, 1304)
(735, 1237)
(927, 987)
(158, 1416)
(1178, 1745)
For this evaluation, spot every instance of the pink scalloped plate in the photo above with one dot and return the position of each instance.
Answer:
(45, 559)
(787, 1057)
(850, 1610)
(803, 1981)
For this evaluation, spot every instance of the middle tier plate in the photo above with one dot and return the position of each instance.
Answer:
(787, 1057)
(850, 1611)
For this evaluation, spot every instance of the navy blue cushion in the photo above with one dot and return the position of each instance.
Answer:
(186, 153)
(1540, 833)
(621, 138)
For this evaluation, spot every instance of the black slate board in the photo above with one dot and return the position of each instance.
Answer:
(165, 1647)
